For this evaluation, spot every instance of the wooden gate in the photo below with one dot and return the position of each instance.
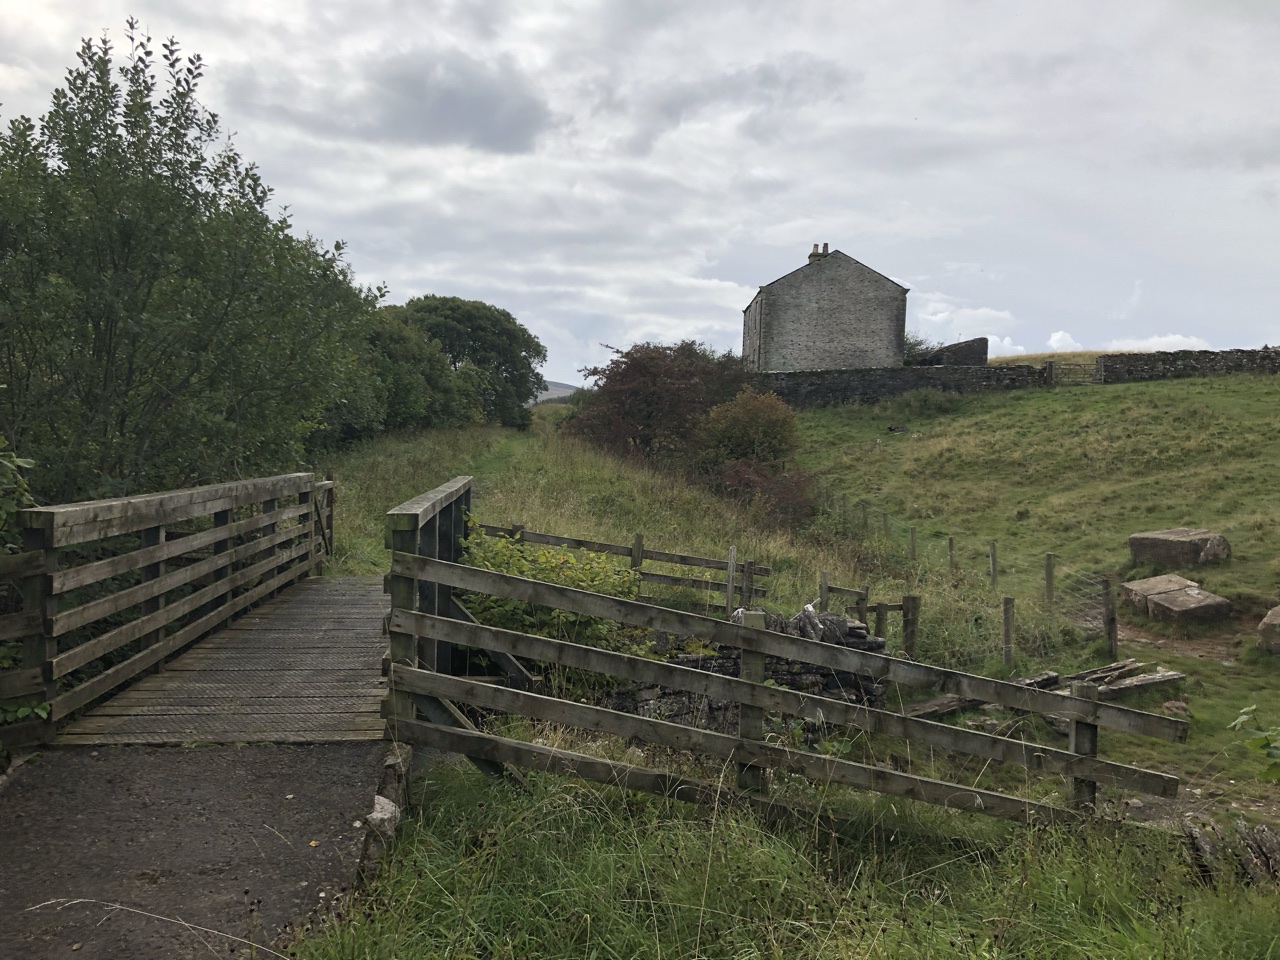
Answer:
(422, 697)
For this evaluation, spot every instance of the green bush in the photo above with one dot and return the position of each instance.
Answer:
(598, 573)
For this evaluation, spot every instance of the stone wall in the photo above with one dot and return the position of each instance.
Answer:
(1133, 367)
(818, 388)
(834, 313)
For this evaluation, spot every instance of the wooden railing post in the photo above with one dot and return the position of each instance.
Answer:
(748, 583)
(1008, 633)
(637, 552)
(910, 624)
(39, 648)
(153, 537)
(751, 719)
(882, 619)
(1084, 741)
(221, 518)
(313, 499)
(863, 601)
(402, 648)
(824, 592)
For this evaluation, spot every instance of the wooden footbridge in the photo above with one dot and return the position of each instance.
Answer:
(199, 616)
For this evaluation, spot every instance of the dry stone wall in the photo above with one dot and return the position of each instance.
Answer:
(1134, 367)
(818, 388)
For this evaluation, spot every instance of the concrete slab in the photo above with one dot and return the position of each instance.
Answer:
(1179, 547)
(1188, 605)
(1269, 631)
(1139, 592)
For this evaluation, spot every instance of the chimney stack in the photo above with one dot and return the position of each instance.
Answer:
(824, 249)
(815, 255)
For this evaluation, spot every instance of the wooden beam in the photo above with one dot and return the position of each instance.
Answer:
(74, 523)
(817, 767)
(781, 700)
(63, 581)
(412, 514)
(792, 648)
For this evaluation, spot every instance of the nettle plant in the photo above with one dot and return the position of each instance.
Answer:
(1265, 741)
(567, 568)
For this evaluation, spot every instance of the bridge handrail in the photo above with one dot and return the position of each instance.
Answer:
(112, 587)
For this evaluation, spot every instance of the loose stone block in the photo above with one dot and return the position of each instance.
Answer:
(1139, 592)
(1269, 631)
(1187, 605)
(1179, 547)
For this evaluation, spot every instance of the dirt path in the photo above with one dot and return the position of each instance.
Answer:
(247, 841)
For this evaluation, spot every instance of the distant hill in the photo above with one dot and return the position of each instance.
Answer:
(556, 391)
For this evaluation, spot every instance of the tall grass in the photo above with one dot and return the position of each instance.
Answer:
(566, 869)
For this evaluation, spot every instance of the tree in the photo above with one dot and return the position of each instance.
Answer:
(649, 399)
(158, 327)
(502, 355)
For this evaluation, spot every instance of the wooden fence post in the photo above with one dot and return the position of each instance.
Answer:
(39, 649)
(751, 719)
(993, 567)
(748, 583)
(1049, 563)
(863, 601)
(728, 586)
(221, 518)
(910, 623)
(637, 552)
(913, 544)
(1084, 741)
(517, 531)
(1008, 633)
(402, 648)
(824, 592)
(153, 537)
(882, 619)
(1109, 616)
(1048, 373)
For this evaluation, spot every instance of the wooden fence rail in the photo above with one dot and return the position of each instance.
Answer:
(423, 693)
(741, 576)
(111, 588)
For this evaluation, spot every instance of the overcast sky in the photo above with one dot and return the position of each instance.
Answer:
(1045, 174)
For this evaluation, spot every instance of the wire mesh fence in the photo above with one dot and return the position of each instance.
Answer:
(990, 605)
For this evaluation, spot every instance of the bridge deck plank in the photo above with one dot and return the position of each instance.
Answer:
(302, 668)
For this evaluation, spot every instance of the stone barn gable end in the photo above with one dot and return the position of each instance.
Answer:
(833, 313)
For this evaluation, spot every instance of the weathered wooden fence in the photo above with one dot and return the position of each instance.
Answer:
(740, 586)
(421, 700)
(112, 587)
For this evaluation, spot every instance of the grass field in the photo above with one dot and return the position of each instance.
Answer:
(572, 870)
(1071, 471)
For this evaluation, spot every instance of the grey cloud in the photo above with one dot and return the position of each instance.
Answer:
(423, 97)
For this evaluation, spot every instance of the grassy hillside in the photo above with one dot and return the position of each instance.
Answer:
(1071, 471)
(573, 870)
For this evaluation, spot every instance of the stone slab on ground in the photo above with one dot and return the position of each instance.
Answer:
(1188, 605)
(182, 834)
(1269, 631)
(1139, 592)
(1178, 547)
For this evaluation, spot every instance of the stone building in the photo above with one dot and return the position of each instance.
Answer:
(833, 313)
